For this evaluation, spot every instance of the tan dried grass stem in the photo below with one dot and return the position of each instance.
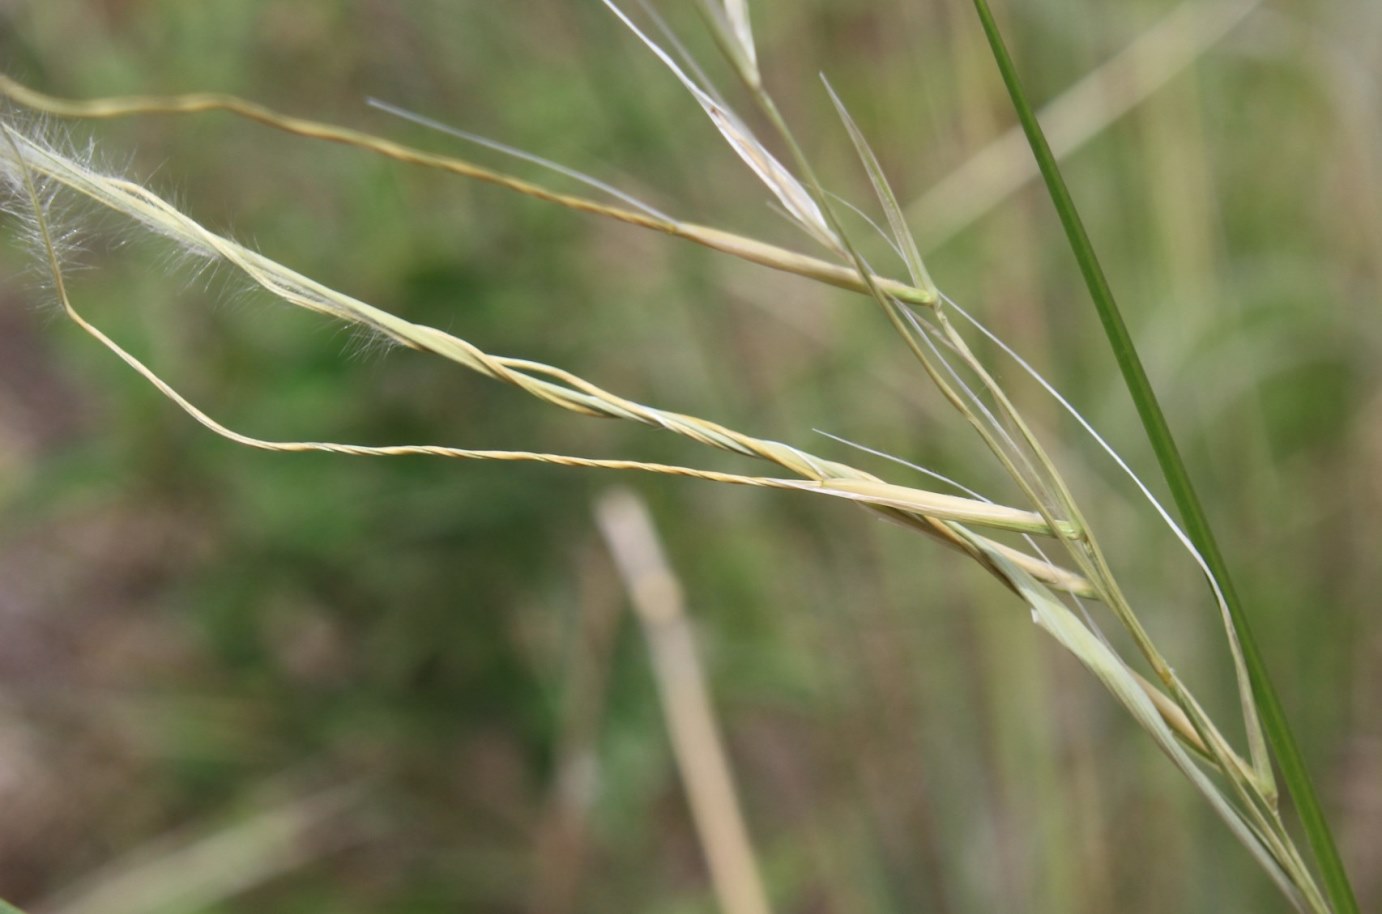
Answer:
(656, 596)
(749, 249)
(1077, 115)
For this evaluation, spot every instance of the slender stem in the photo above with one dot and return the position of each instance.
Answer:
(1197, 526)
(656, 595)
(752, 250)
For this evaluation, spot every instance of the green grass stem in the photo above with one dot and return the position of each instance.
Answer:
(1173, 467)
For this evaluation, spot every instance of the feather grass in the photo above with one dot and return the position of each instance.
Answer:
(553, 385)
(1240, 791)
(748, 249)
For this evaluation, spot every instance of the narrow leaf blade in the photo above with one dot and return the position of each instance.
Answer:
(1277, 730)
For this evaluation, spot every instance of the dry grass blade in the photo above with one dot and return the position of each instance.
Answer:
(205, 867)
(748, 249)
(657, 599)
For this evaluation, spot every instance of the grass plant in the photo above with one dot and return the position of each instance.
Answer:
(1255, 684)
(1014, 544)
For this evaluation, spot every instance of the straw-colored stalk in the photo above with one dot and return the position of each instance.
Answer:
(658, 601)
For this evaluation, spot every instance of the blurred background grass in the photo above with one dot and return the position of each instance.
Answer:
(232, 680)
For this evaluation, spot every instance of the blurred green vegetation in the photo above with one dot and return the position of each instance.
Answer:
(193, 635)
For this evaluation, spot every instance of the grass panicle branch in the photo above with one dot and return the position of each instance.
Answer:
(748, 249)
(936, 513)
